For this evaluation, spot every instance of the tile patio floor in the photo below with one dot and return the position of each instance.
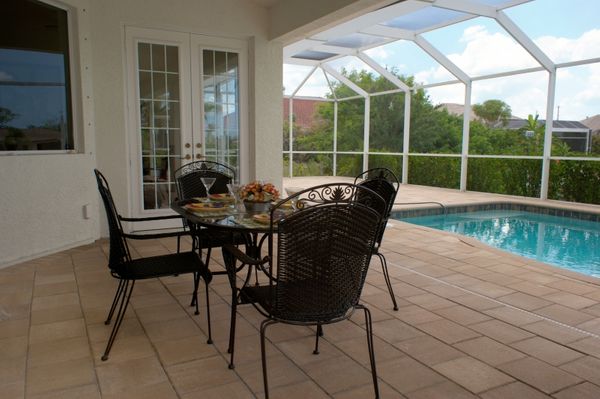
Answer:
(473, 322)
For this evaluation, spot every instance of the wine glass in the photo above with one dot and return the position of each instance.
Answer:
(207, 182)
(292, 191)
(234, 190)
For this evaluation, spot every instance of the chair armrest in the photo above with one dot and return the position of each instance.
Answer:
(151, 236)
(150, 218)
(242, 257)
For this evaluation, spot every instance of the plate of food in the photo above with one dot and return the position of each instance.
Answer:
(207, 206)
(263, 218)
(224, 197)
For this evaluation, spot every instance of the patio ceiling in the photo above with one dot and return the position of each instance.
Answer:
(408, 20)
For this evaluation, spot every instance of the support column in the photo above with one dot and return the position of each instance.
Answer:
(406, 139)
(367, 128)
(548, 135)
(464, 158)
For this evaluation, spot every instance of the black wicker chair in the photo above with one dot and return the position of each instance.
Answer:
(129, 270)
(189, 185)
(385, 183)
(322, 258)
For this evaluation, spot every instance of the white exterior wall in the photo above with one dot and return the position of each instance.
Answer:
(42, 195)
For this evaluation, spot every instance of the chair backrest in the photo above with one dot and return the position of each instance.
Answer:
(118, 250)
(188, 178)
(385, 183)
(323, 252)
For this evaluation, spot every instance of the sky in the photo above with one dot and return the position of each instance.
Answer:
(565, 30)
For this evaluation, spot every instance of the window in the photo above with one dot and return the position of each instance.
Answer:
(35, 92)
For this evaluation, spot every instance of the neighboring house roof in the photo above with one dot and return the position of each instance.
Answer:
(456, 109)
(573, 126)
(303, 111)
(593, 123)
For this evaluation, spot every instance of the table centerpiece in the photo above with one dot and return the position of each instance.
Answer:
(257, 196)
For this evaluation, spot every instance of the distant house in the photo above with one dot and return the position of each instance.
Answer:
(575, 134)
(303, 111)
(593, 123)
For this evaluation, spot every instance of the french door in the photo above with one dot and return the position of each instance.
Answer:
(186, 97)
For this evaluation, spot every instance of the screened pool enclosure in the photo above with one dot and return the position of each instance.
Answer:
(452, 93)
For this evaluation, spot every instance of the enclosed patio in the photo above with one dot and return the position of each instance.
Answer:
(472, 322)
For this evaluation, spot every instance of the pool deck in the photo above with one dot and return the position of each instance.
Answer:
(474, 322)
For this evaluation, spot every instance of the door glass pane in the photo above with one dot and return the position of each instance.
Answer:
(159, 103)
(220, 95)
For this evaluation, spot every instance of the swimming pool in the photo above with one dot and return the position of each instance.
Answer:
(566, 242)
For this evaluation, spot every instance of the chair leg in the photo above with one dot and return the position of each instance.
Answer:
(124, 302)
(317, 335)
(369, 325)
(210, 341)
(114, 303)
(195, 294)
(263, 352)
(232, 328)
(386, 275)
(178, 244)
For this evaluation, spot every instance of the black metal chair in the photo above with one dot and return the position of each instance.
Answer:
(129, 270)
(189, 185)
(385, 183)
(323, 254)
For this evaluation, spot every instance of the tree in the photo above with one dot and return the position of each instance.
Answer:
(493, 112)
(6, 115)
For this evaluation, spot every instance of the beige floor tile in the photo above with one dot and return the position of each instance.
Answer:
(338, 374)
(162, 390)
(581, 391)
(472, 374)
(540, 375)
(12, 370)
(489, 351)
(53, 301)
(514, 390)
(85, 391)
(448, 331)
(357, 349)
(444, 390)
(501, 331)
(200, 374)
(14, 328)
(58, 330)
(555, 332)
(119, 377)
(15, 390)
(428, 350)
(160, 313)
(303, 390)
(573, 287)
(430, 301)
(589, 346)
(415, 315)
(547, 351)
(407, 375)
(46, 353)
(234, 390)
(564, 314)
(183, 350)
(61, 375)
(476, 302)
(513, 316)
(57, 313)
(171, 329)
(100, 332)
(367, 391)
(462, 315)
(393, 331)
(300, 351)
(123, 349)
(281, 371)
(570, 300)
(585, 367)
(524, 301)
(13, 347)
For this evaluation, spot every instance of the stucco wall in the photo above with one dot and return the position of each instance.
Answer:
(42, 195)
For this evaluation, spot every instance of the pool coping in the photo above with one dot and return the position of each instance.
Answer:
(432, 209)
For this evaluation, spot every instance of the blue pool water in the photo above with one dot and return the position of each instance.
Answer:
(565, 242)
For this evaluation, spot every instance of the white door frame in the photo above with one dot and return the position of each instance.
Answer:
(192, 123)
